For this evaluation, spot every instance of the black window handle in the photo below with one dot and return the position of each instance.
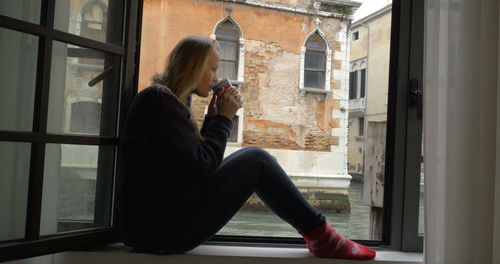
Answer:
(101, 76)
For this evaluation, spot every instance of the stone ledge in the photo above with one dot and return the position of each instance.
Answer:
(313, 90)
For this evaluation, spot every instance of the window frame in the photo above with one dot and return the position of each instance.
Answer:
(358, 81)
(237, 41)
(406, 46)
(324, 66)
(361, 126)
(404, 129)
(323, 70)
(327, 74)
(33, 244)
(355, 35)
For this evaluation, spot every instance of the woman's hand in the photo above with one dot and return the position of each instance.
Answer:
(228, 102)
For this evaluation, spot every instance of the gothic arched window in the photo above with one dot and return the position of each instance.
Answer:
(315, 62)
(93, 24)
(228, 35)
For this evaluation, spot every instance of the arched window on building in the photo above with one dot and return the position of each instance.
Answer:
(93, 20)
(357, 79)
(315, 62)
(228, 36)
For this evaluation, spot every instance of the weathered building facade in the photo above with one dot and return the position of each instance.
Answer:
(369, 81)
(290, 61)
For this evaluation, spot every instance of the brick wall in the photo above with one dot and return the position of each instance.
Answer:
(276, 113)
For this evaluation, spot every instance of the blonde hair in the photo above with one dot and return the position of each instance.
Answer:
(185, 67)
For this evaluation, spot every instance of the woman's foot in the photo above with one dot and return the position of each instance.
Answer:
(325, 242)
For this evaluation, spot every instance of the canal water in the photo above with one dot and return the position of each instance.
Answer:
(354, 225)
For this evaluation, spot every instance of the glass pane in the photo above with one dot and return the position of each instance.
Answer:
(18, 60)
(228, 50)
(316, 42)
(313, 79)
(227, 30)
(14, 176)
(227, 69)
(27, 10)
(367, 115)
(99, 20)
(83, 96)
(307, 132)
(74, 184)
(315, 60)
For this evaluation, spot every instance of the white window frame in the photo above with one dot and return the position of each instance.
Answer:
(328, 68)
(355, 68)
(241, 53)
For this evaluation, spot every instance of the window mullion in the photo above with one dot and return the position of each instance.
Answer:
(35, 186)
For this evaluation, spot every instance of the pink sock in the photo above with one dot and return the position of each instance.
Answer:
(324, 242)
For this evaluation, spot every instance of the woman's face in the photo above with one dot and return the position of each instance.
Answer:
(209, 76)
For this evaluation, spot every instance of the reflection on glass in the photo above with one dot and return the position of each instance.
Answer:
(14, 175)
(18, 59)
(83, 91)
(421, 211)
(27, 10)
(72, 178)
(99, 20)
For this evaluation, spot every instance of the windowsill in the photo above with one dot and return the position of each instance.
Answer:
(314, 90)
(117, 253)
(234, 144)
(359, 137)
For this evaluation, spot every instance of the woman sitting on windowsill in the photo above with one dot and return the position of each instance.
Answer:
(175, 190)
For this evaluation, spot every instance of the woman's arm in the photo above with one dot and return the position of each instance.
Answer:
(206, 123)
(178, 143)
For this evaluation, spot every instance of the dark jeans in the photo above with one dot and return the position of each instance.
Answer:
(242, 173)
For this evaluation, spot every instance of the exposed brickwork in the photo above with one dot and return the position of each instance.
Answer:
(276, 114)
(282, 141)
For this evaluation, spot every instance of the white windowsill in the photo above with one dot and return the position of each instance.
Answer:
(117, 253)
(314, 90)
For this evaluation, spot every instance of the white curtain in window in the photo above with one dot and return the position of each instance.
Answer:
(462, 174)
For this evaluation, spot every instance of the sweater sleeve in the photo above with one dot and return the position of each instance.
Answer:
(178, 143)
(206, 123)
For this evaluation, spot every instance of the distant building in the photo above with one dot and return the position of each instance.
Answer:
(290, 59)
(368, 81)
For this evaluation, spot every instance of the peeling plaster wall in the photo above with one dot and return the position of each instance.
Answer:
(277, 115)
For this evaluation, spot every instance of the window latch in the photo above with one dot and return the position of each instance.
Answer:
(416, 97)
(101, 76)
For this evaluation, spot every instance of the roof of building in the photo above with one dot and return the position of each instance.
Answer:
(372, 16)
(341, 2)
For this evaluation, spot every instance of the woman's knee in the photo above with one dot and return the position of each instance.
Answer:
(256, 153)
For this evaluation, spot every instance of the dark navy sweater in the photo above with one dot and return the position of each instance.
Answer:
(162, 165)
